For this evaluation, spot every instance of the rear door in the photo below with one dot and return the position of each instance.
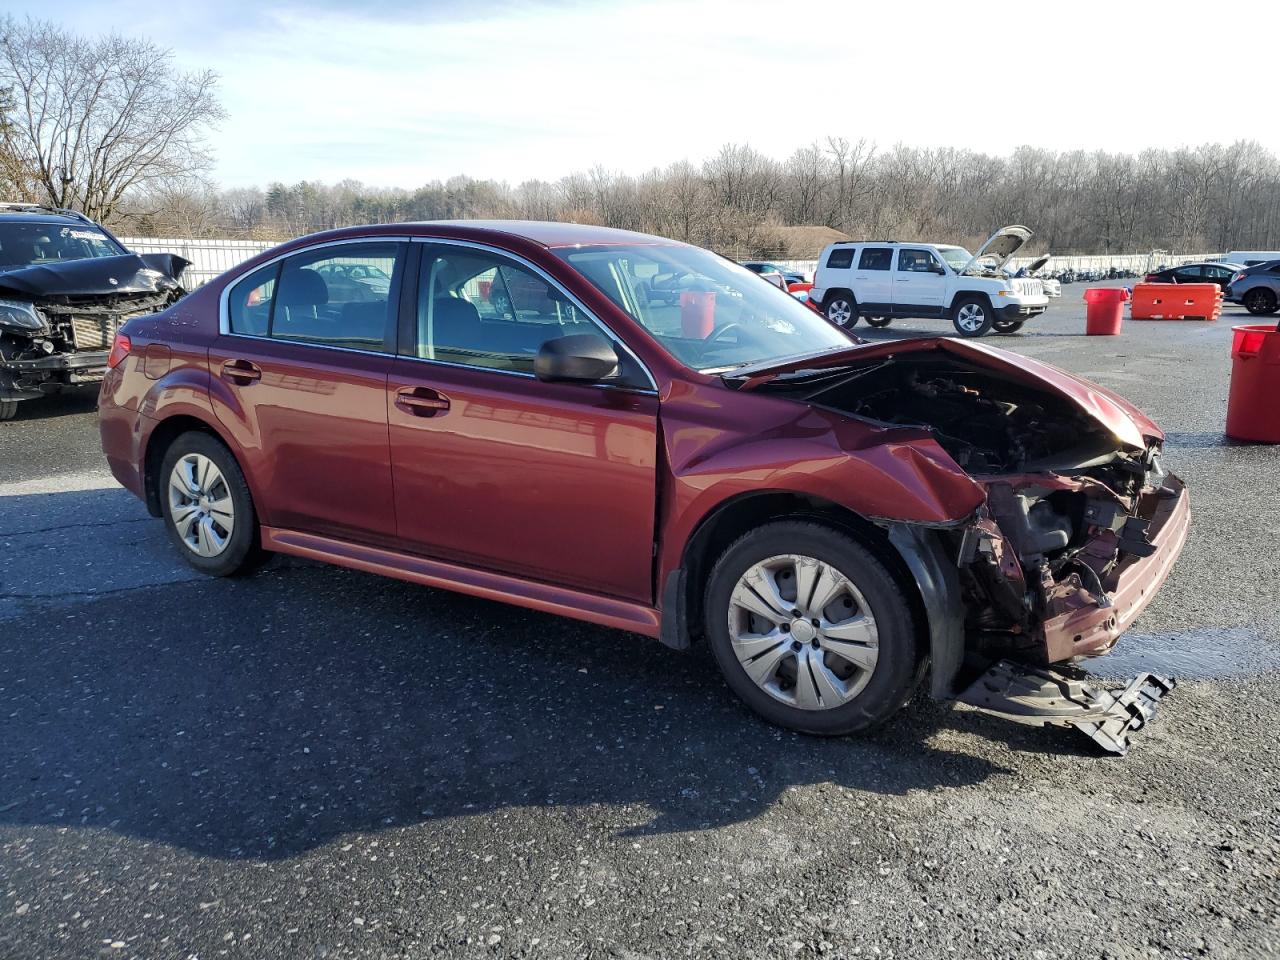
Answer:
(873, 280)
(496, 469)
(300, 380)
(919, 283)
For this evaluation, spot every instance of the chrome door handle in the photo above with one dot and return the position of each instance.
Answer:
(421, 401)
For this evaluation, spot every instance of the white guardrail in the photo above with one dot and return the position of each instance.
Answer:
(212, 257)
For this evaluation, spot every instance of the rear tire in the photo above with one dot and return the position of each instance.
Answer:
(8, 409)
(1260, 302)
(972, 316)
(207, 507)
(841, 310)
(857, 645)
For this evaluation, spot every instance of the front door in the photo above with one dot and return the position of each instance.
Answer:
(300, 382)
(496, 469)
(919, 284)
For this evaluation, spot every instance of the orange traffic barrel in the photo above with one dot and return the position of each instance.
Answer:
(1253, 405)
(1104, 312)
(697, 313)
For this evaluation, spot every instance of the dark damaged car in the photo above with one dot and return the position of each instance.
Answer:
(66, 287)
(513, 417)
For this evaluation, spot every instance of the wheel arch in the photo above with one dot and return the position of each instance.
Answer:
(961, 295)
(683, 588)
(161, 437)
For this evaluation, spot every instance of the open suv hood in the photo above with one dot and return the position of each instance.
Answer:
(1000, 246)
(1095, 404)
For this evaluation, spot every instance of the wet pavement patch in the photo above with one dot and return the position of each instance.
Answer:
(1207, 654)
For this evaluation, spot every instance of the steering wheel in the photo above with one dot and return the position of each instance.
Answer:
(721, 331)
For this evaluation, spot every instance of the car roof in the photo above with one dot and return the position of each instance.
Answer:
(547, 233)
(56, 219)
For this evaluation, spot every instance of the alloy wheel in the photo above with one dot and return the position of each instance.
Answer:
(200, 505)
(970, 317)
(803, 632)
(840, 312)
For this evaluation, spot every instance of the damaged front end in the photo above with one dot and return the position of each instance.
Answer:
(1080, 526)
(58, 320)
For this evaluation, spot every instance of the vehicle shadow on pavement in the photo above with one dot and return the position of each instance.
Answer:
(263, 717)
(71, 401)
(896, 332)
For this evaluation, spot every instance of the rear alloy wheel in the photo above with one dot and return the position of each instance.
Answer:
(972, 317)
(879, 321)
(207, 507)
(8, 409)
(1260, 301)
(1007, 326)
(810, 629)
(841, 310)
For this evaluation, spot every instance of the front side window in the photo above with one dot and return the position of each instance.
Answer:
(875, 258)
(917, 261)
(840, 259)
(337, 296)
(707, 312)
(484, 310)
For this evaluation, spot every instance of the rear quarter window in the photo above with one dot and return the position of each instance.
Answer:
(249, 302)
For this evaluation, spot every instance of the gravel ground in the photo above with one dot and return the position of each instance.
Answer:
(320, 763)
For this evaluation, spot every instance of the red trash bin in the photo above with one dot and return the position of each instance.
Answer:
(697, 313)
(1253, 405)
(1104, 311)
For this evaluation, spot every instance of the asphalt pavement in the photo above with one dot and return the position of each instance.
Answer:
(319, 763)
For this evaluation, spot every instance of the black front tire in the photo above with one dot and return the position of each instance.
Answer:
(1261, 302)
(879, 321)
(1007, 326)
(8, 409)
(243, 552)
(897, 670)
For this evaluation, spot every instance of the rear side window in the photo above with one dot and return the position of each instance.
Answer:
(876, 258)
(339, 296)
(840, 259)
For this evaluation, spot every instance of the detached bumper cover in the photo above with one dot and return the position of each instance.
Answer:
(1041, 697)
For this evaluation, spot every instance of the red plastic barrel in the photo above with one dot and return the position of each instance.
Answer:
(1253, 406)
(697, 313)
(1104, 311)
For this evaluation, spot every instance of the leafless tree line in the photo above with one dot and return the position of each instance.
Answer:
(110, 126)
(740, 201)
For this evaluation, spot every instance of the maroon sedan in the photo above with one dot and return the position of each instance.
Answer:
(639, 433)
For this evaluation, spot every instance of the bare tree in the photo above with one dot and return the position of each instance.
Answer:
(96, 118)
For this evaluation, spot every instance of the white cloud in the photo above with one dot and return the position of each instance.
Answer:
(539, 89)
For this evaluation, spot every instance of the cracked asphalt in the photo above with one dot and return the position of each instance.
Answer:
(324, 764)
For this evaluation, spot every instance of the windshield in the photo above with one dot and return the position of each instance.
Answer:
(956, 257)
(31, 244)
(709, 313)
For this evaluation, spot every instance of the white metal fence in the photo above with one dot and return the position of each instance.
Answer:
(212, 257)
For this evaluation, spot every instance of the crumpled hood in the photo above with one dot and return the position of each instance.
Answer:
(1117, 415)
(130, 273)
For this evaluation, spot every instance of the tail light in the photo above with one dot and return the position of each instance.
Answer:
(120, 348)
(1238, 277)
(1151, 278)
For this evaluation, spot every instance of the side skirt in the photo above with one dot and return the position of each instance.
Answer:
(605, 611)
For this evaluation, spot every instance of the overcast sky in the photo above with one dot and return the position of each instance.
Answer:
(399, 93)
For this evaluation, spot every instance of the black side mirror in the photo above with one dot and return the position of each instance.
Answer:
(582, 357)
(938, 268)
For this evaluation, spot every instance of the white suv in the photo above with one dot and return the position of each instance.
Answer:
(881, 281)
